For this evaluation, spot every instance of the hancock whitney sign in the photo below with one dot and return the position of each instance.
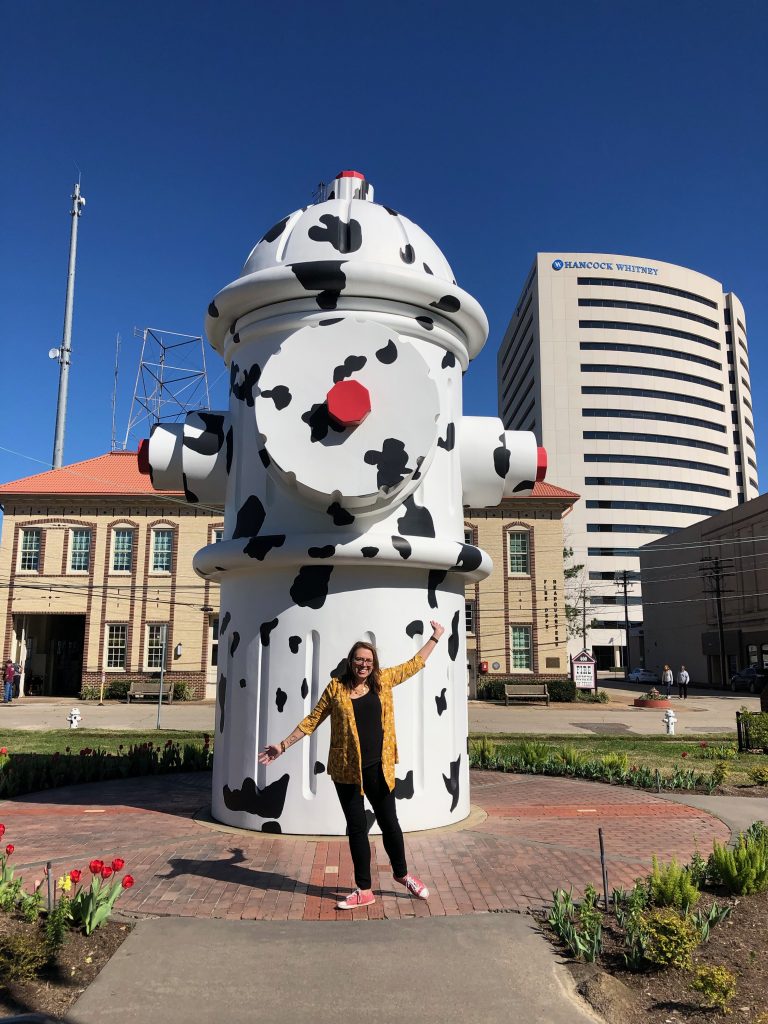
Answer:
(625, 268)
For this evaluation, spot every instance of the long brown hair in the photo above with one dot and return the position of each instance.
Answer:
(348, 676)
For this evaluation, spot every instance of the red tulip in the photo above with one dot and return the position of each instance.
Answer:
(2, 831)
(75, 875)
(684, 754)
(127, 881)
(95, 866)
(106, 871)
(3, 750)
(9, 849)
(118, 864)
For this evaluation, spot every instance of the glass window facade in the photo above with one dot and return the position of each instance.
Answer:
(519, 561)
(672, 485)
(520, 643)
(620, 435)
(650, 414)
(646, 350)
(162, 550)
(650, 460)
(117, 636)
(122, 550)
(80, 551)
(624, 282)
(621, 325)
(664, 396)
(155, 645)
(29, 559)
(651, 371)
(649, 307)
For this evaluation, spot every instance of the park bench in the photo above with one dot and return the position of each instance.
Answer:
(150, 688)
(525, 691)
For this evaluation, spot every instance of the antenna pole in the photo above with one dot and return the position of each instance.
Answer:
(114, 391)
(66, 345)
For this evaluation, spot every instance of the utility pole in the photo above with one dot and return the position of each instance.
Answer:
(713, 574)
(63, 353)
(622, 578)
(583, 621)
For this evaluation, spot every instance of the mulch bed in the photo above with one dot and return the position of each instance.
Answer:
(74, 967)
(662, 996)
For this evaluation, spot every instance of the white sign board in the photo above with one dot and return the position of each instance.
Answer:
(583, 671)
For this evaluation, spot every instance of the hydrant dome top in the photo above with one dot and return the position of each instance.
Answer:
(343, 248)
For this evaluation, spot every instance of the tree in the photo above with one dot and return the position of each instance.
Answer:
(576, 593)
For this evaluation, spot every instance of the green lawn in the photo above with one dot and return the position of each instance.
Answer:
(25, 741)
(664, 753)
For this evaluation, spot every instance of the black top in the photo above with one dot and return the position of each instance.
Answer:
(369, 728)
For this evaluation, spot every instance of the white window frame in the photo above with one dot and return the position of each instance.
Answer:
(130, 530)
(218, 534)
(153, 656)
(469, 616)
(526, 651)
(113, 644)
(519, 554)
(214, 627)
(469, 535)
(34, 552)
(73, 550)
(157, 553)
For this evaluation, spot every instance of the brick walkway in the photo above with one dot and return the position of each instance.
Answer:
(539, 834)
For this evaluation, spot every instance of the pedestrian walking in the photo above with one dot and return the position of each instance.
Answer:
(8, 674)
(667, 678)
(363, 752)
(682, 683)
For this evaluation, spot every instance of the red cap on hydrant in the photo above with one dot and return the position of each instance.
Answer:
(349, 402)
(144, 457)
(541, 464)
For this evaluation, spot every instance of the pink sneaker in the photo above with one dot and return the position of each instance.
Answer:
(358, 898)
(414, 885)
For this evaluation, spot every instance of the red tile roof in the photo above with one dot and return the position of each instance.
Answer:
(541, 489)
(114, 473)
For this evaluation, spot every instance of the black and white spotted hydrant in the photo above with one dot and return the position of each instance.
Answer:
(670, 718)
(74, 718)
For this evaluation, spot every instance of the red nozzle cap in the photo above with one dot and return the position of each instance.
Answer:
(350, 174)
(349, 402)
(541, 464)
(144, 468)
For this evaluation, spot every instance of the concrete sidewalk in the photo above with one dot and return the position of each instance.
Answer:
(481, 969)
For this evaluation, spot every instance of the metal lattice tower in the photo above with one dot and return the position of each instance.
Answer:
(171, 381)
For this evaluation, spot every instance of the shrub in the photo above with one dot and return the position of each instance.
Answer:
(716, 984)
(671, 885)
(490, 689)
(561, 691)
(592, 697)
(759, 775)
(22, 956)
(742, 870)
(57, 922)
(670, 938)
(718, 775)
(534, 753)
(483, 753)
(570, 756)
(717, 753)
(756, 727)
(118, 688)
(614, 762)
(89, 693)
(181, 691)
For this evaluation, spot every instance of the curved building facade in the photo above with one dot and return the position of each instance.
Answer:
(634, 375)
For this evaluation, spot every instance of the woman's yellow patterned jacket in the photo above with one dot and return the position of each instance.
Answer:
(344, 755)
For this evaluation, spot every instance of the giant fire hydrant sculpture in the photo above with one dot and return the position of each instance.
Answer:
(344, 464)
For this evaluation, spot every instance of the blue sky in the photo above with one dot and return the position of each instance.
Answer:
(499, 128)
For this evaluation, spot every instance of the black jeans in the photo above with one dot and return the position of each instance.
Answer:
(382, 800)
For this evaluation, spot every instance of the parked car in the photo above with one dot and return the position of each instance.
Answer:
(643, 675)
(751, 678)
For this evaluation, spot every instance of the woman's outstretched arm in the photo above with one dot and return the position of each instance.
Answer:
(306, 726)
(272, 751)
(431, 644)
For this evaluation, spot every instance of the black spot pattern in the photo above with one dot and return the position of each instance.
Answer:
(212, 310)
(435, 578)
(342, 236)
(404, 787)
(319, 768)
(417, 521)
(264, 457)
(417, 474)
(340, 671)
(324, 552)
(453, 639)
(267, 802)
(450, 438)
(222, 696)
(426, 322)
(501, 457)
(225, 623)
(228, 455)
(448, 303)
(369, 552)
(441, 702)
(470, 558)
(294, 643)
(407, 255)
(391, 212)
(259, 547)
(265, 629)
(402, 546)
(452, 782)
(304, 689)
(348, 367)
(339, 515)
(250, 518)
(323, 276)
(391, 462)
(234, 643)
(242, 684)
(211, 440)
(524, 485)
(189, 495)
(275, 231)
(331, 320)
(320, 421)
(280, 395)
(272, 827)
(415, 628)
(427, 270)
(280, 698)
(236, 337)
(310, 588)
(388, 354)
(243, 390)
(449, 360)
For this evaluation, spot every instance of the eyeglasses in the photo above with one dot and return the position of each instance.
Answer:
(363, 661)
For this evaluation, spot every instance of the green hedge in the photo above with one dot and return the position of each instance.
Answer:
(492, 687)
(117, 689)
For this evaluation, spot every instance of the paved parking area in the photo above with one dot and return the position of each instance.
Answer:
(527, 835)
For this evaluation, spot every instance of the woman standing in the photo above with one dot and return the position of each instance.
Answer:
(362, 758)
(667, 678)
